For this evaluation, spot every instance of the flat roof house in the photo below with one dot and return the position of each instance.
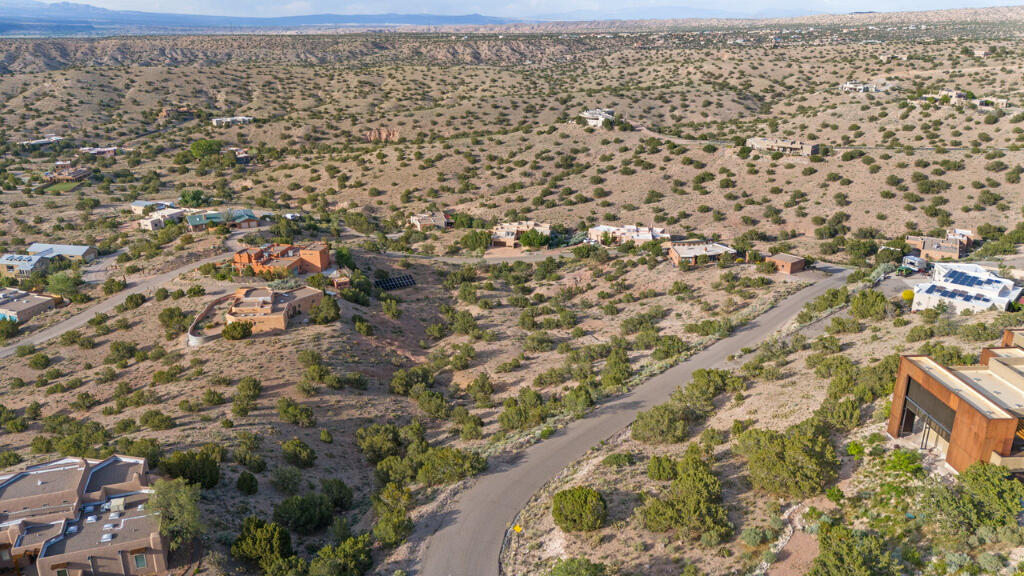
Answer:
(20, 306)
(629, 233)
(268, 310)
(297, 259)
(965, 287)
(243, 218)
(691, 253)
(430, 220)
(783, 145)
(78, 516)
(159, 219)
(69, 251)
(22, 265)
(968, 413)
(231, 120)
(858, 87)
(139, 207)
(65, 172)
(937, 248)
(507, 234)
(596, 118)
(787, 263)
(47, 139)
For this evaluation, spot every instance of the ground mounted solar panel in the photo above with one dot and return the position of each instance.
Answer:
(396, 283)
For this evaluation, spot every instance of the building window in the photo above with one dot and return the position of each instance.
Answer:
(5, 555)
(62, 572)
(140, 561)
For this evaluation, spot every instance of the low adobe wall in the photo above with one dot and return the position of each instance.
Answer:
(194, 340)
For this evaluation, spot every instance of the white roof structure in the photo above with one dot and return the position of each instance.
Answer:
(66, 250)
(48, 139)
(965, 287)
(704, 249)
(629, 232)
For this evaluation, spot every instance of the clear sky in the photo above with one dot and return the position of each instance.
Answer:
(529, 8)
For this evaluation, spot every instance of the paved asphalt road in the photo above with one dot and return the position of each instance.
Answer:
(106, 306)
(466, 540)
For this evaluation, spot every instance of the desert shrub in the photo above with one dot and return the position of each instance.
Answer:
(237, 330)
(577, 567)
(261, 542)
(619, 459)
(446, 465)
(526, 410)
(198, 467)
(337, 492)
(304, 513)
(292, 412)
(661, 468)
(692, 504)
(156, 420)
(247, 483)
(378, 441)
(663, 424)
(579, 509)
(799, 462)
(350, 557)
(286, 479)
(870, 304)
(298, 453)
(846, 551)
(392, 505)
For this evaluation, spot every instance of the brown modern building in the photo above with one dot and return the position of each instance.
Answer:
(284, 258)
(787, 263)
(969, 413)
(20, 306)
(65, 172)
(953, 247)
(77, 517)
(268, 310)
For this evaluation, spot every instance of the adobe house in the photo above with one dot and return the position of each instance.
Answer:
(428, 220)
(787, 263)
(968, 413)
(268, 310)
(296, 259)
(20, 306)
(78, 516)
(506, 234)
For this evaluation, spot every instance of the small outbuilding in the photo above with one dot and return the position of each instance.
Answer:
(787, 263)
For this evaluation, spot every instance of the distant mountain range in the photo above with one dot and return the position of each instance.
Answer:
(34, 18)
(61, 18)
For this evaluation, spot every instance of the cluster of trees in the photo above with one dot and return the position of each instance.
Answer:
(796, 463)
(670, 422)
(693, 502)
(268, 546)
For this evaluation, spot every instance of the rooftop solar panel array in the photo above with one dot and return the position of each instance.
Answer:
(396, 283)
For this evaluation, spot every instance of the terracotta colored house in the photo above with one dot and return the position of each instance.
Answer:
(270, 311)
(968, 413)
(308, 259)
(787, 263)
(76, 516)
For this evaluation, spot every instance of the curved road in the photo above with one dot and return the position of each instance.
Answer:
(466, 540)
(79, 320)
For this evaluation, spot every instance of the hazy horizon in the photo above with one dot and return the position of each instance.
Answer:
(531, 8)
